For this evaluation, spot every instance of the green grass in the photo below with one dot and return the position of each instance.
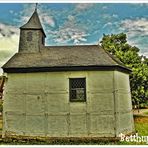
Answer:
(141, 126)
(146, 113)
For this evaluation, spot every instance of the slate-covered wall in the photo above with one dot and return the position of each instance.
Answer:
(37, 104)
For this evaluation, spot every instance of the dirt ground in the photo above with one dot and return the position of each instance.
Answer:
(142, 119)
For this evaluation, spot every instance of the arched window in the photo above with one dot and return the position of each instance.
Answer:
(29, 36)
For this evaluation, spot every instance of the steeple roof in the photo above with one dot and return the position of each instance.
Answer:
(33, 23)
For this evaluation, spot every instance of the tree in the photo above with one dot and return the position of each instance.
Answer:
(117, 45)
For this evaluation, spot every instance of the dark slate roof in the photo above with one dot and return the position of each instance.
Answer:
(33, 23)
(51, 57)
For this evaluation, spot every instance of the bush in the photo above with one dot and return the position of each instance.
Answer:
(143, 105)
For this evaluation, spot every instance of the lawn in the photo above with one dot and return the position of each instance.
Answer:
(141, 126)
(143, 121)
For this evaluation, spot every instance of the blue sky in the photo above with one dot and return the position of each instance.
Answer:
(83, 23)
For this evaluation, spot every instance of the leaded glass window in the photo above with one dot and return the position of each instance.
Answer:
(77, 88)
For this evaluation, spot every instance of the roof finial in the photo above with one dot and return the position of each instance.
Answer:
(36, 6)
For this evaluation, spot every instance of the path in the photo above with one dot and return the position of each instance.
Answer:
(140, 112)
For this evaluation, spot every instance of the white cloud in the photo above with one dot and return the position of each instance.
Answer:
(115, 15)
(7, 30)
(70, 34)
(104, 7)
(107, 24)
(26, 13)
(140, 4)
(71, 18)
(136, 27)
(47, 19)
(9, 37)
(145, 53)
(24, 19)
(83, 6)
(11, 11)
(106, 16)
(70, 31)
(44, 15)
(137, 32)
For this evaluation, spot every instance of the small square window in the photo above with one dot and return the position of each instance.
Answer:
(77, 88)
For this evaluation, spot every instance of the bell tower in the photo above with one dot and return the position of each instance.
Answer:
(32, 36)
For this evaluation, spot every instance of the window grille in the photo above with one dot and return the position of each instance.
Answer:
(77, 89)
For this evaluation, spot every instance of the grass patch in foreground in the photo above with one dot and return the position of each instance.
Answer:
(146, 113)
(141, 125)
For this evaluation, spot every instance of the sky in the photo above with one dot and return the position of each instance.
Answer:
(74, 23)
